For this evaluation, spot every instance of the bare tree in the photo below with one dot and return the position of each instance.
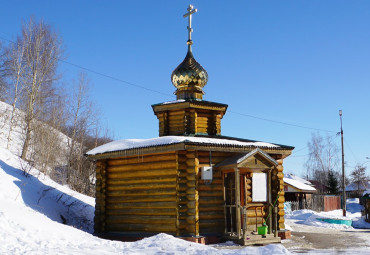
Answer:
(322, 159)
(14, 65)
(358, 176)
(48, 141)
(42, 50)
(83, 119)
(3, 75)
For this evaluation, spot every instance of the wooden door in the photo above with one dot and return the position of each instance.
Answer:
(230, 207)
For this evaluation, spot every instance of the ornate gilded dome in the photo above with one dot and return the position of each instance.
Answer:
(189, 73)
(189, 78)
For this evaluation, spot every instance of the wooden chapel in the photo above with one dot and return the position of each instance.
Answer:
(191, 181)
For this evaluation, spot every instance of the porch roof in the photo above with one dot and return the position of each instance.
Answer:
(241, 159)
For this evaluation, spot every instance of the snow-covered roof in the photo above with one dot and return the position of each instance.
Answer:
(365, 185)
(297, 178)
(298, 184)
(126, 144)
(175, 101)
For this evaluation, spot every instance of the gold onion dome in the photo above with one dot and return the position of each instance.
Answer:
(189, 78)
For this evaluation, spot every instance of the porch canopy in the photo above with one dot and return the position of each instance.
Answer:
(257, 158)
(257, 162)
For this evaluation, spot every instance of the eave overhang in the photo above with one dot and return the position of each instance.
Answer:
(283, 152)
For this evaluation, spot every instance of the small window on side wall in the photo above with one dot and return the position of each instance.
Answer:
(259, 187)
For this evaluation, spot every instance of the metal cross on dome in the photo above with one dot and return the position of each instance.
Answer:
(190, 12)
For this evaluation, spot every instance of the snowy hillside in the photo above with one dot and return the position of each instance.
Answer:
(13, 138)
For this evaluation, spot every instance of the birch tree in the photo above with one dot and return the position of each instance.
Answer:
(3, 83)
(14, 66)
(42, 50)
(83, 117)
(358, 177)
(322, 158)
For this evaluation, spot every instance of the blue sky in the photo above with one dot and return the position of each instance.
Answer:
(296, 62)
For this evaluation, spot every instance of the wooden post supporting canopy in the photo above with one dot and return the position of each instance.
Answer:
(237, 202)
(269, 190)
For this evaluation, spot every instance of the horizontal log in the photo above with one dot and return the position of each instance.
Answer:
(176, 120)
(174, 113)
(164, 185)
(155, 192)
(209, 208)
(145, 159)
(176, 126)
(143, 211)
(211, 224)
(149, 198)
(216, 193)
(140, 219)
(203, 125)
(163, 205)
(143, 173)
(211, 217)
(143, 166)
(211, 200)
(173, 131)
(215, 160)
(142, 180)
(210, 187)
(149, 228)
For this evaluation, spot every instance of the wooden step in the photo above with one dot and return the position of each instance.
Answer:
(254, 239)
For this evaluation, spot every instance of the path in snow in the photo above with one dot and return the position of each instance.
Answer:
(308, 238)
(312, 236)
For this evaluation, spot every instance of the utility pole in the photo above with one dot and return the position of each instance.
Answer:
(343, 176)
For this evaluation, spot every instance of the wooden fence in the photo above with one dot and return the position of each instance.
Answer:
(317, 203)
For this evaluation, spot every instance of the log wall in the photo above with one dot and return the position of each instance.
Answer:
(164, 192)
(189, 121)
(139, 194)
(211, 201)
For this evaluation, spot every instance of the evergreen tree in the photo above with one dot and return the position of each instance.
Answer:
(332, 183)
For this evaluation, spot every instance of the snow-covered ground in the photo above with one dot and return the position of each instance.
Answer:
(39, 216)
(312, 236)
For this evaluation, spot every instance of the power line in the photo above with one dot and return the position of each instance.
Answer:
(349, 147)
(116, 79)
(168, 95)
(104, 75)
(283, 123)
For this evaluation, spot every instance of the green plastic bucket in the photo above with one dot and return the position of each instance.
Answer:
(262, 230)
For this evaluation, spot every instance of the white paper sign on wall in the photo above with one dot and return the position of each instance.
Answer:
(259, 187)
